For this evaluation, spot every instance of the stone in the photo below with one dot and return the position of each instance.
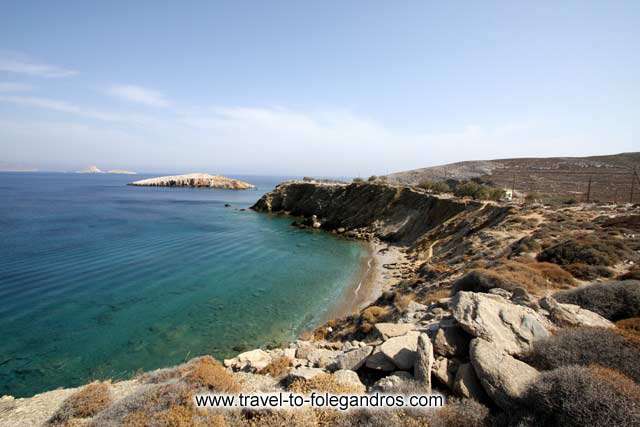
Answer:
(521, 297)
(390, 330)
(377, 360)
(570, 315)
(353, 359)
(322, 357)
(305, 373)
(290, 353)
(392, 383)
(466, 384)
(504, 378)
(401, 350)
(451, 340)
(424, 361)
(349, 378)
(501, 292)
(304, 348)
(444, 370)
(509, 327)
(251, 361)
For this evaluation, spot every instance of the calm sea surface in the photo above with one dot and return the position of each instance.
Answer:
(100, 280)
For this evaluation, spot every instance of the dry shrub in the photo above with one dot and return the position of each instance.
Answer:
(85, 403)
(632, 274)
(613, 300)
(278, 367)
(581, 396)
(323, 383)
(375, 314)
(586, 346)
(460, 413)
(437, 295)
(401, 301)
(206, 372)
(535, 277)
(630, 222)
(588, 249)
(631, 325)
(175, 416)
(588, 272)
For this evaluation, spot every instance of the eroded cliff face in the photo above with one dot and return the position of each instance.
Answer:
(392, 213)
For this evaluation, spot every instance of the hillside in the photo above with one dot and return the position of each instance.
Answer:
(610, 175)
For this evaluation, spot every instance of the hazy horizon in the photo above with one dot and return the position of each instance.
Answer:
(331, 89)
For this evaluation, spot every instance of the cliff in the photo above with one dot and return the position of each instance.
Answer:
(395, 214)
(195, 180)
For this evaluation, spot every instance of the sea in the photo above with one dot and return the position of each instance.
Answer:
(100, 280)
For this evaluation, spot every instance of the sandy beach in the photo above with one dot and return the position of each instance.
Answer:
(374, 278)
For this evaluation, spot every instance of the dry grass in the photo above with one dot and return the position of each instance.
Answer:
(324, 383)
(278, 367)
(206, 372)
(436, 295)
(631, 325)
(535, 277)
(85, 403)
(375, 314)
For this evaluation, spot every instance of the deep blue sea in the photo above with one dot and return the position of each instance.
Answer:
(102, 280)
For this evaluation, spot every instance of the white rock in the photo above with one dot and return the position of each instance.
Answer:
(390, 330)
(401, 350)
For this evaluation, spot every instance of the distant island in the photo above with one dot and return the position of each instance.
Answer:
(95, 169)
(195, 180)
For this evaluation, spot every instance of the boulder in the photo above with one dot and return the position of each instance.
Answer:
(466, 384)
(322, 357)
(401, 350)
(304, 348)
(503, 377)
(377, 360)
(304, 373)
(251, 361)
(424, 361)
(390, 330)
(509, 327)
(451, 340)
(393, 383)
(350, 379)
(570, 315)
(353, 359)
(444, 370)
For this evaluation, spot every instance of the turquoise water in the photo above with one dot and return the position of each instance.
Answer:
(100, 280)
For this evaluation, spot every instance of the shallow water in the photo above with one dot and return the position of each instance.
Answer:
(100, 280)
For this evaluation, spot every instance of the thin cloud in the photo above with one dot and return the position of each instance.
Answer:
(14, 87)
(139, 95)
(21, 64)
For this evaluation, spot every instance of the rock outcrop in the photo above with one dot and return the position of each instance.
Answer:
(200, 180)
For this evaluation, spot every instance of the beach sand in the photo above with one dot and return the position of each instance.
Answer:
(373, 280)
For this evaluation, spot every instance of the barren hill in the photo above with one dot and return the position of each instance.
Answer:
(610, 175)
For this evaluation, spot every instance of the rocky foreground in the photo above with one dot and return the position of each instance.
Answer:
(520, 315)
(199, 180)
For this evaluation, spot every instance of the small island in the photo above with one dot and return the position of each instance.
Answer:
(199, 180)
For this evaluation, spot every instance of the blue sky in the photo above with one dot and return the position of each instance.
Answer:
(325, 88)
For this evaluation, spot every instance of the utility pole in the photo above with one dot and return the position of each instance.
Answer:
(589, 190)
(633, 182)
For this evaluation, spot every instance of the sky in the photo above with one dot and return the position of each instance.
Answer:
(330, 88)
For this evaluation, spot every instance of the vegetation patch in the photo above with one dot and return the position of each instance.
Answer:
(586, 346)
(278, 367)
(614, 300)
(207, 372)
(587, 249)
(535, 277)
(85, 403)
(581, 396)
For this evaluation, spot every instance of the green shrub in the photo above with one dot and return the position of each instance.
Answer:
(613, 300)
(589, 249)
(586, 346)
(580, 396)
(357, 180)
(436, 187)
(372, 178)
(478, 191)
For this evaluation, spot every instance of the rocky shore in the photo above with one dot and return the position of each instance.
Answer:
(199, 180)
(519, 315)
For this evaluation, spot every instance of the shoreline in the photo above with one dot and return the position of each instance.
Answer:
(370, 283)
